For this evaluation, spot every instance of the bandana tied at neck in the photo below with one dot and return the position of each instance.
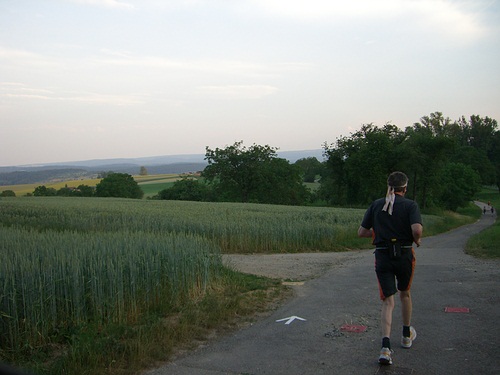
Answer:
(390, 197)
(389, 200)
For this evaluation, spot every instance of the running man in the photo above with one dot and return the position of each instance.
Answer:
(394, 223)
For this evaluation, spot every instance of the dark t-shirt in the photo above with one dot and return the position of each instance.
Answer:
(397, 225)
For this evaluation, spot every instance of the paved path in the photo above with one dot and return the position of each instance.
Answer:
(447, 343)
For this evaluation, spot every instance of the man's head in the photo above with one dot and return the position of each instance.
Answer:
(398, 181)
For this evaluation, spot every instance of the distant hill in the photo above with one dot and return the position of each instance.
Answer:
(134, 169)
(42, 173)
(33, 175)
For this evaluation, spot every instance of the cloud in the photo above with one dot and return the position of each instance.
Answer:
(209, 66)
(326, 9)
(208, 78)
(18, 58)
(105, 3)
(100, 99)
(452, 18)
(237, 91)
(15, 90)
(14, 54)
(106, 99)
(108, 58)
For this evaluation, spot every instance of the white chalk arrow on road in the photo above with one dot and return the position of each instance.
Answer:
(290, 319)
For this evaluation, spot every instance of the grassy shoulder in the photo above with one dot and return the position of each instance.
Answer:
(236, 300)
(486, 243)
(436, 221)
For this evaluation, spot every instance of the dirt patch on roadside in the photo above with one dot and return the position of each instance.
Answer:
(291, 267)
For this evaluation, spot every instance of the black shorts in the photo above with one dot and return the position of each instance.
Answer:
(389, 271)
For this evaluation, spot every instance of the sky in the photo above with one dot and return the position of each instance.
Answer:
(99, 79)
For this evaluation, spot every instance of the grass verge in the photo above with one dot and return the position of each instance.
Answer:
(438, 221)
(486, 243)
(156, 337)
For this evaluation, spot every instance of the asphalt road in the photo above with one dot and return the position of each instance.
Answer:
(346, 297)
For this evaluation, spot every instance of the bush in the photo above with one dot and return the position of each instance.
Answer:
(43, 191)
(187, 189)
(119, 185)
(7, 193)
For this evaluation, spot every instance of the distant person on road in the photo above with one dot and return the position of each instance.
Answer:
(394, 223)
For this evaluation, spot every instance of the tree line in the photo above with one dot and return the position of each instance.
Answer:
(447, 163)
(117, 185)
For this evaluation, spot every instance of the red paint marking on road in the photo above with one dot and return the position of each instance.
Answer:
(457, 310)
(353, 328)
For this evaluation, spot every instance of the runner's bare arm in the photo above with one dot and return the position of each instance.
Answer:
(363, 232)
(417, 233)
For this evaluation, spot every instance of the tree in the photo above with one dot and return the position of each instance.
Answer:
(495, 157)
(104, 174)
(478, 132)
(84, 191)
(120, 185)
(422, 156)
(432, 153)
(479, 146)
(479, 161)
(8, 193)
(143, 171)
(253, 174)
(65, 191)
(235, 171)
(436, 124)
(310, 167)
(458, 183)
(281, 183)
(43, 191)
(186, 189)
(357, 167)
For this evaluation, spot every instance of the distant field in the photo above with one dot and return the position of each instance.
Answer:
(21, 190)
(150, 184)
(151, 189)
(157, 178)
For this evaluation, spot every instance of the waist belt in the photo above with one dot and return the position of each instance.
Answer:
(386, 246)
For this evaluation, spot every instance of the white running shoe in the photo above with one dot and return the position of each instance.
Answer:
(406, 342)
(385, 357)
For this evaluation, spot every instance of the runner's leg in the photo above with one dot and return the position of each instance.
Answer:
(386, 315)
(406, 307)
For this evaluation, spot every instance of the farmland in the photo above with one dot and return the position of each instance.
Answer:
(150, 184)
(234, 227)
(74, 265)
(83, 280)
